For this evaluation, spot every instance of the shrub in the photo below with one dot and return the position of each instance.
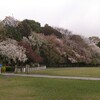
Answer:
(10, 69)
(3, 69)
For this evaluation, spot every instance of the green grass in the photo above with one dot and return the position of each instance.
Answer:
(84, 72)
(25, 88)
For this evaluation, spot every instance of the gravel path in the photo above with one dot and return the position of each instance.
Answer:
(49, 76)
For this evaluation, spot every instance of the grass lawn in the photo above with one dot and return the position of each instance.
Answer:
(26, 88)
(84, 72)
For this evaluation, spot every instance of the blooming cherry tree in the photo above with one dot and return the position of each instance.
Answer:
(10, 49)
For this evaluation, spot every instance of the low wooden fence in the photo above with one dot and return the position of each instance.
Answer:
(28, 69)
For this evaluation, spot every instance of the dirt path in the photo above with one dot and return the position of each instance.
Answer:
(48, 76)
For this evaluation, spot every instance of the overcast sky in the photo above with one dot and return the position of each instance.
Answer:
(79, 16)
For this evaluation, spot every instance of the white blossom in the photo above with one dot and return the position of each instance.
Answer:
(37, 39)
(10, 49)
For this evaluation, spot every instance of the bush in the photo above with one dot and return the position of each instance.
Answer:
(3, 69)
(10, 69)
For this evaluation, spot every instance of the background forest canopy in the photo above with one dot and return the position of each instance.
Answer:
(27, 42)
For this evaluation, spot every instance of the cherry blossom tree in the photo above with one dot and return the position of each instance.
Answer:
(12, 51)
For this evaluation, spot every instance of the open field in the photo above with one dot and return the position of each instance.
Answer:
(84, 72)
(25, 88)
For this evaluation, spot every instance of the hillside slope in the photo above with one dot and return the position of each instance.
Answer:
(45, 45)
